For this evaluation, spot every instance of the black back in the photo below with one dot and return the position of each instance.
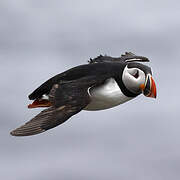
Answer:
(104, 70)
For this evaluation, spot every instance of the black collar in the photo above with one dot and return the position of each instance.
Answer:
(123, 88)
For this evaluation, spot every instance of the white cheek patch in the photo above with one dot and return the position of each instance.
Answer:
(132, 83)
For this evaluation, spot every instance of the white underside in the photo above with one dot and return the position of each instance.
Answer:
(106, 96)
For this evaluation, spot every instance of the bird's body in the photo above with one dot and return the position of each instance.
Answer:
(106, 96)
(103, 95)
(104, 83)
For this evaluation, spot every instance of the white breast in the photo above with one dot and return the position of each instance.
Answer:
(106, 96)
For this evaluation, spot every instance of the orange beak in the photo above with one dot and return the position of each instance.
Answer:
(149, 88)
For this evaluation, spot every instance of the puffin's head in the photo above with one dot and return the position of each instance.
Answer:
(137, 78)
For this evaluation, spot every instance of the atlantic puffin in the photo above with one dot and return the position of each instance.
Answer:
(103, 83)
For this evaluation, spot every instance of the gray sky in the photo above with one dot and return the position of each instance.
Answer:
(138, 140)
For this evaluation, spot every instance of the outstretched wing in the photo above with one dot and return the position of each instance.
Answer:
(68, 98)
(45, 120)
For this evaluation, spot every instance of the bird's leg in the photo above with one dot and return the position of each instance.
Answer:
(40, 103)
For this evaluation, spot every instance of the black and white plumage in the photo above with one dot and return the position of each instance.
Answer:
(103, 83)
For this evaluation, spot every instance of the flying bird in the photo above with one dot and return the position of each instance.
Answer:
(103, 83)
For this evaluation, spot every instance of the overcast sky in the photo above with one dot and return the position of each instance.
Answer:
(139, 140)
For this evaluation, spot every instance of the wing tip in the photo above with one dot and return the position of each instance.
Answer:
(15, 133)
(12, 133)
(21, 132)
(30, 96)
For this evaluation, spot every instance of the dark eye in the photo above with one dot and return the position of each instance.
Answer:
(136, 75)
